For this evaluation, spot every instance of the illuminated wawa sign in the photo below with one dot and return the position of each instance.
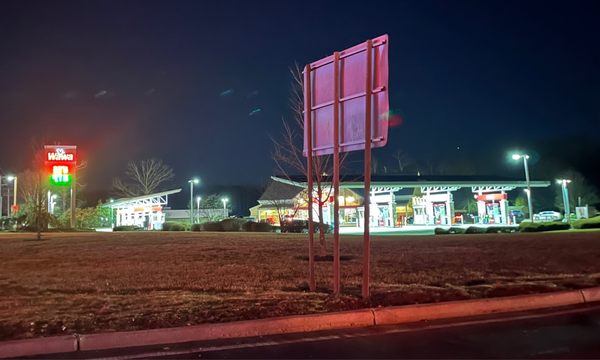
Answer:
(60, 155)
(60, 161)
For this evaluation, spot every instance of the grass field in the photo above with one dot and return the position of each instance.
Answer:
(94, 282)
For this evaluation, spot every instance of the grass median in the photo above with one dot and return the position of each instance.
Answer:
(96, 282)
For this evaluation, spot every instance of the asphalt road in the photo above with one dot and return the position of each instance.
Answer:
(566, 333)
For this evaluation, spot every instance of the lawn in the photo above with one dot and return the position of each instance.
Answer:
(95, 282)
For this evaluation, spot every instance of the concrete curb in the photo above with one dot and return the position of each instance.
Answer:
(282, 325)
(454, 309)
(39, 346)
(591, 294)
(298, 323)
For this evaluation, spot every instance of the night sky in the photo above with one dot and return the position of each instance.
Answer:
(204, 84)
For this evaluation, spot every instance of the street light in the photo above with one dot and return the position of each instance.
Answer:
(198, 208)
(565, 193)
(11, 178)
(112, 225)
(192, 182)
(225, 200)
(525, 157)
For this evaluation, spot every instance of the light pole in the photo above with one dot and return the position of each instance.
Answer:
(565, 194)
(525, 157)
(0, 196)
(225, 200)
(112, 225)
(13, 179)
(192, 182)
(198, 208)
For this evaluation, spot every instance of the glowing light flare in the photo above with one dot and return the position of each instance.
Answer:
(394, 118)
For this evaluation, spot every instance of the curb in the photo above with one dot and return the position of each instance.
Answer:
(297, 323)
(39, 346)
(455, 309)
(282, 325)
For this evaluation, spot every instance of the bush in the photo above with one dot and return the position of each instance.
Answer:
(591, 223)
(232, 224)
(212, 226)
(127, 228)
(500, 229)
(173, 226)
(301, 226)
(456, 230)
(548, 226)
(441, 231)
(252, 226)
(262, 227)
(475, 230)
(196, 227)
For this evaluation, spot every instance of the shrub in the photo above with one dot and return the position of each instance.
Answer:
(547, 226)
(233, 224)
(475, 230)
(212, 226)
(441, 231)
(197, 227)
(456, 230)
(262, 227)
(591, 223)
(500, 229)
(127, 228)
(248, 226)
(252, 226)
(173, 226)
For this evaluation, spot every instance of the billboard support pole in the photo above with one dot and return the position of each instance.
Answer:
(309, 177)
(367, 202)
(336, 174)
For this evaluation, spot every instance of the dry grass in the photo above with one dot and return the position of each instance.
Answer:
(92, 282)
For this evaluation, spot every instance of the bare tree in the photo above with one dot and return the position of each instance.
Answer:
(288, 157)
(404, 161)
(33, 190)
(144, 177)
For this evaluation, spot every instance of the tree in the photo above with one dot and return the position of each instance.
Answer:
(144, 177)
(212, 201)
(403, 161)
(580, 191)
(34, 192)
(288, 157)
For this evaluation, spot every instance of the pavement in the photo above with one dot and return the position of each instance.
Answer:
(567, 332)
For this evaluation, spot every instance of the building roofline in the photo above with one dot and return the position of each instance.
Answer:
(121, 201)
(425, 182)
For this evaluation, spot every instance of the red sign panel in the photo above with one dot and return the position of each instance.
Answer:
(352, 93)
(491, 197)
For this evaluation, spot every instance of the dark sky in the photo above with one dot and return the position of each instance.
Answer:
(183, 81)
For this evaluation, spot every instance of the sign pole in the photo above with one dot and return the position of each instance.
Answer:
(367, 240)
(309, 177)
(73, 202)
(336, 175)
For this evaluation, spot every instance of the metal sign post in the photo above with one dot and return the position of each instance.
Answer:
(312, 285)
(367, 202)
(336, 173)
(346, 108)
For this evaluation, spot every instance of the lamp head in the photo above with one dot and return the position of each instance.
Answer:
(10, 177)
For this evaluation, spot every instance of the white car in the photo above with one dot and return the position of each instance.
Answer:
(547, 216)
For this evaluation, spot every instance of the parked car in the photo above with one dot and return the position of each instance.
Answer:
(547, 216)
(516, 215)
